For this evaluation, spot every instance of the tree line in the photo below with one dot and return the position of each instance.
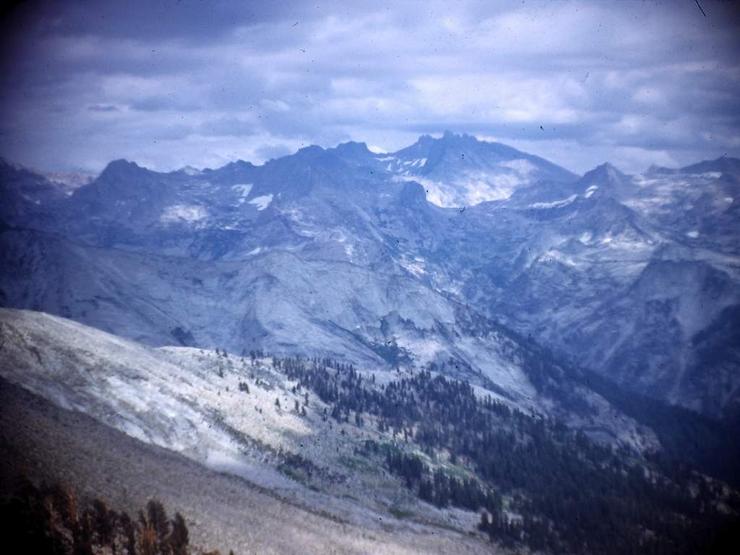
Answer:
(563, 492)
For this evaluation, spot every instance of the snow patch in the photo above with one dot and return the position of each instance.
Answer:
(626, 242)
(471, 189)
(554, 204)
(190, 170)
(183, 213)
(590, 191)
(261, 202)
(243, 190)
(415, 266)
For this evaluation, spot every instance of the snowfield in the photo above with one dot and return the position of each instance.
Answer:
(261, 202)
(183, 213)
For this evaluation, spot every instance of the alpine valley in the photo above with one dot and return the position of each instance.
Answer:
(458, 347)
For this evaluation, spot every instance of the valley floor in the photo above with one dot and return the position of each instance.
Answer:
(45, 442)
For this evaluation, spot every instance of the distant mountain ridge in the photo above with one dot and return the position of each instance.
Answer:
(388, 259)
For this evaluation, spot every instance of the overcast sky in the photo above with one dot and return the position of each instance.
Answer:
(202, 83)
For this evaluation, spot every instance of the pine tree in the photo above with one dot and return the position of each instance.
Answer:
(104, 522)
(128, 528)
(157, 519)
(179, 537)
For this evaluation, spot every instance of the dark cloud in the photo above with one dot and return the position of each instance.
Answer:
(156, 103)
(190, 20)
(102, 108)
(175, 83)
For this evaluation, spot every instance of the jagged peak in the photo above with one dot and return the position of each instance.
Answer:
(426, 143)
(452, 137)
(605, 171)
(310, 149)
(122, 170)
(238, 164)
(122, 163)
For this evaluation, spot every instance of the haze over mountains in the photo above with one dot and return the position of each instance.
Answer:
(415, 256)
(594, 302)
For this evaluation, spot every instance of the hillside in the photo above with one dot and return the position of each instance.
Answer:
(356, 447)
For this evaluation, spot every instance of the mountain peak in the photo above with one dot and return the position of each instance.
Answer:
(122, 163)
(431, 147)
(608, 167)
(237, 164)
(353, 148)
(723, 164)
(123, 173)
(452, 137)
(447, 137)
(189, 170)
(605, 172)
(120, 166)
(608, 178)
(310, 149)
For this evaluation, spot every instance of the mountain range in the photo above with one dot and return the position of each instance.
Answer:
(607, 302)
(415, 256)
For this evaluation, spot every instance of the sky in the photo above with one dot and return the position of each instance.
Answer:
(170, 84)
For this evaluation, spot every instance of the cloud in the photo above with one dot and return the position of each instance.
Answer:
(227, 126)
(171, 83)
(102, 108)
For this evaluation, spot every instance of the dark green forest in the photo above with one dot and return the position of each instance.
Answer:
(563, 491)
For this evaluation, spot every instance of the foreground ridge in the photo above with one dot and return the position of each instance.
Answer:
(319, 430)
